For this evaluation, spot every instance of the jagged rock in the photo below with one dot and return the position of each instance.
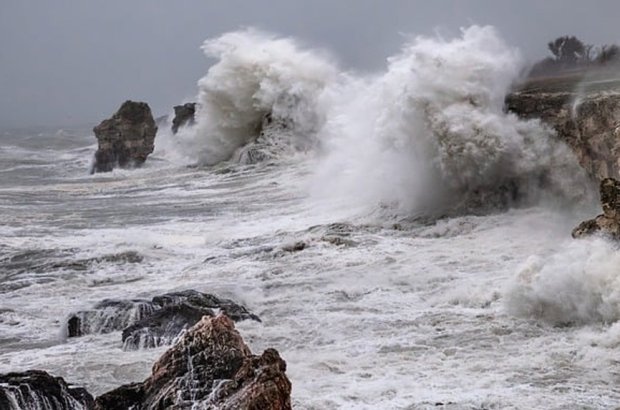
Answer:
(151, 323)
(210, 367)
(183, 115)
(587, 121)
(608, 223)
(126, 139)
(36, 389)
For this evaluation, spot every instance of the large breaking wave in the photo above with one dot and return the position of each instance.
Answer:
(431, 132)
(428, 133)
(259, 83)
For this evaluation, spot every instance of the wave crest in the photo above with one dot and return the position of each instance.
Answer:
(258, 78)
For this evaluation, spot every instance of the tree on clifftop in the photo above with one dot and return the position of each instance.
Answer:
(570, 50)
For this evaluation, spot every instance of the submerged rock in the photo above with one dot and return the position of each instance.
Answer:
(156, 322)
(108, 316)
(608, 223)
(126, 139)
(210, 367)
(163, 326)
(39, 390)
(184, 115)
(175, 313)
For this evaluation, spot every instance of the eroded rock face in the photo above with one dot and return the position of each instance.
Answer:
(39, 390)
(210, 367)
(184, 115)
(588, 122)
(608, 223)
(126, 139)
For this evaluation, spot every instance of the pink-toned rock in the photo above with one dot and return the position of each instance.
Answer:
(212, 367)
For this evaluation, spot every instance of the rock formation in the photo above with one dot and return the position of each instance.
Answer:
(126, 139)
(36, 389)
(608, 223)
(156, 322)
(210, 367)
(183, 115)
(588, 121)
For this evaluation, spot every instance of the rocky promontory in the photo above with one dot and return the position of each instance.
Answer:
(584, 112)
(126, 139)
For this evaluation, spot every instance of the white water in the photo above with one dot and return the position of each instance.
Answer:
(499, 310)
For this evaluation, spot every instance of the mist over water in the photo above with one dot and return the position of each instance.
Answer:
(437, 264)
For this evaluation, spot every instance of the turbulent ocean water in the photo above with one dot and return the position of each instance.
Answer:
(420, 284)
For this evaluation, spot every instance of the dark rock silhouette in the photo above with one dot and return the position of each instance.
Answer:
(126, 139)
(150, 323)
(184, 115)
(212, 367)
(36, 389)
(608, 223)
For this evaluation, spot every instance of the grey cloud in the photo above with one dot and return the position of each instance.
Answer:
(74, 61)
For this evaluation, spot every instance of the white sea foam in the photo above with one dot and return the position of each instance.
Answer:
(580, 283)
(432, 129)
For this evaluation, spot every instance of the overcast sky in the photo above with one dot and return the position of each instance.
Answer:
(65, 62)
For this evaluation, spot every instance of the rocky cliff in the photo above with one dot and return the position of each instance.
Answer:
(585, 115)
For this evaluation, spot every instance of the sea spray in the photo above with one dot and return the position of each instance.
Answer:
(257, 78)
(580, 283)
(431, 133)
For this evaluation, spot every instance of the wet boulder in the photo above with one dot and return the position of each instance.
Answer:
(608, 223)
(163, 326)
(184, 115)
(177, 312)
(126, 139)
(205, 300)
(108, 316)
(209, 367)
(37, 389)
(155, 322)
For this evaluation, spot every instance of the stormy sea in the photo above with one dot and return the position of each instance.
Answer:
(404, 240)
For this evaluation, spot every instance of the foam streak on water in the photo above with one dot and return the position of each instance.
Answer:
(385, 306)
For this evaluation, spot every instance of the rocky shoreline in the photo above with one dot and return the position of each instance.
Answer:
(208, 363)
(209, 366)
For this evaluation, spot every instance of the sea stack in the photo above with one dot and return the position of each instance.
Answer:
(126, 139)
(184, 115)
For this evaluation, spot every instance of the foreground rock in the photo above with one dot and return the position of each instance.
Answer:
(585, 118)
(126, 139)
(184, 115)
(156, 322)
(210, 367)
(39, 390)
(608, 223)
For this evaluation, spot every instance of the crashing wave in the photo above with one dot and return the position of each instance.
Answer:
(431, 133)
(258, 80)
(578, 284)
